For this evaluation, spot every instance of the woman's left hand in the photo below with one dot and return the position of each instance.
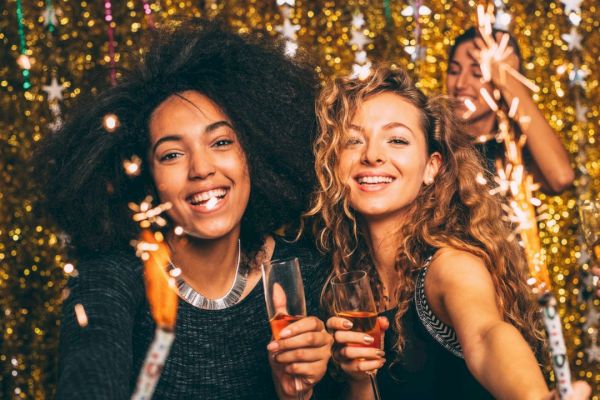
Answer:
(495, 58)
(299, 358)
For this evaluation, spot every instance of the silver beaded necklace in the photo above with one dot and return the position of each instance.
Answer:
(188, 294)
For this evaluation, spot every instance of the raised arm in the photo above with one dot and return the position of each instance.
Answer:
(551, 166)
(96, 360)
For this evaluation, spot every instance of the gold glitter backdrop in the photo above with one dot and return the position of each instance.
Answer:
(68, 40)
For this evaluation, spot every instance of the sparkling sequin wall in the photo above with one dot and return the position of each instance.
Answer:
(53, 51)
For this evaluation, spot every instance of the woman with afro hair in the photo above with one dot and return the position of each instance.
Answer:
(223, 124)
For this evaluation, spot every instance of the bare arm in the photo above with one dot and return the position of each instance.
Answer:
(461, 293)
(551, 166)
(551, 162)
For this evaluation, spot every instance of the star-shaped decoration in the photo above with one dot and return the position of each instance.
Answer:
(360, 57)
(49, 16)
(54, 90)
(291, 48)
(416, 52)
(290, 3)
(580, 112)
(593, 352)
(407, 11)
(575, 19)
(361, 71)
(288, 30)
(358, 20)
(573, 39)
(572, 6)
(359, 39)
(577, 76)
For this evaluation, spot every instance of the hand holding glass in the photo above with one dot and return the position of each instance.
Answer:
(353, 300)
(284, 296)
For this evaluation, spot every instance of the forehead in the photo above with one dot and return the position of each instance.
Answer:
(387, 107)
(183, 106)
(461, 52)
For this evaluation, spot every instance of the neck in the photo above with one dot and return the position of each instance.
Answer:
(385, 238)
(483, 125)
(208, 266)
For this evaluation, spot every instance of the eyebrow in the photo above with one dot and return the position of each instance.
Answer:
(390, 125)
(395, 124)
(211, 128)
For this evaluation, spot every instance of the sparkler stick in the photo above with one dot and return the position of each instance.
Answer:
(517, 185)
(162, 297)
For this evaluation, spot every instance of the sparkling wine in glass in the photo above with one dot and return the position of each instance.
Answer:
(353, 300)
(284, 296)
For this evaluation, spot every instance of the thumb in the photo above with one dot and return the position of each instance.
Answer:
(581, 391)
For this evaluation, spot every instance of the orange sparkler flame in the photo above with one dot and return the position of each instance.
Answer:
(160, 287)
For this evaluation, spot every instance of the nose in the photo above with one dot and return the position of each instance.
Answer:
(461, 80)
(201, 165)
(372, 154)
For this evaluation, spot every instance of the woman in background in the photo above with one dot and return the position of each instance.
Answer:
(545, 154)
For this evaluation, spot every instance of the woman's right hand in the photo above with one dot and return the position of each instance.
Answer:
(355, 360)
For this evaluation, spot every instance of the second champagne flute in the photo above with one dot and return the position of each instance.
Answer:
(284, 296)
(353, 300)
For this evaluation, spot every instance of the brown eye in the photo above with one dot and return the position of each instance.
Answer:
(170, 156)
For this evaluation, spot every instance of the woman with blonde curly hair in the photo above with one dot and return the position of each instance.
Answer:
(398, 198)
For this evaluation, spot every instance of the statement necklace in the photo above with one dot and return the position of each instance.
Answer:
(187, 293)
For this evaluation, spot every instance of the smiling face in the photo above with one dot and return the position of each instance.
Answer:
(464, 82)
(384, 159)
(198, 165)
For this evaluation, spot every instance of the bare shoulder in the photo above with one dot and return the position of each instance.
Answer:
(458, 284)
(454, 268)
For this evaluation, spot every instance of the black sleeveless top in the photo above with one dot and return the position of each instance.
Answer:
(431, 365)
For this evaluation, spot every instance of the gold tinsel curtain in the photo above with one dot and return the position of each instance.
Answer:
(68, 40)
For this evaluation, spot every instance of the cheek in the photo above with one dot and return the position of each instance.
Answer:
(346, 162)
(450, 82)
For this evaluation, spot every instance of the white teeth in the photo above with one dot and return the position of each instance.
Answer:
(208, 195)
(374, 179)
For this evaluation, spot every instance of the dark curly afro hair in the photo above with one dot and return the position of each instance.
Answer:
(268, 97)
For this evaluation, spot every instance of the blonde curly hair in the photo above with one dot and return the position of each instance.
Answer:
(454, 211)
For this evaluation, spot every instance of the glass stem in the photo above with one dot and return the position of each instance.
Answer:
(376, 394)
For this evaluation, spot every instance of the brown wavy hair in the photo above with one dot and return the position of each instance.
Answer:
(454, 211)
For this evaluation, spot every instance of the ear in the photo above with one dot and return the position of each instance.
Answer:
(432, 168)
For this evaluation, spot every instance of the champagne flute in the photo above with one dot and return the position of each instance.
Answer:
(353, 300)
(284, 296)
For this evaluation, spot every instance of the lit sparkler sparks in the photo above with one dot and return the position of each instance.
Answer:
(133, 166)
(81, 316)
(110, 122)
(212, 202)
(517, 185)
(146, 216)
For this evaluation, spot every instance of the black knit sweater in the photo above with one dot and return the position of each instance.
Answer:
(217, 354)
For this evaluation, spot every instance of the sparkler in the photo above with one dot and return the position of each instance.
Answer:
(517, 185)
(160, 291)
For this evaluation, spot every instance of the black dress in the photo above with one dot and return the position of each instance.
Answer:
(431, 365)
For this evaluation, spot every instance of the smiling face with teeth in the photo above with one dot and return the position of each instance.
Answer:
(199, 166)
(384, 158)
